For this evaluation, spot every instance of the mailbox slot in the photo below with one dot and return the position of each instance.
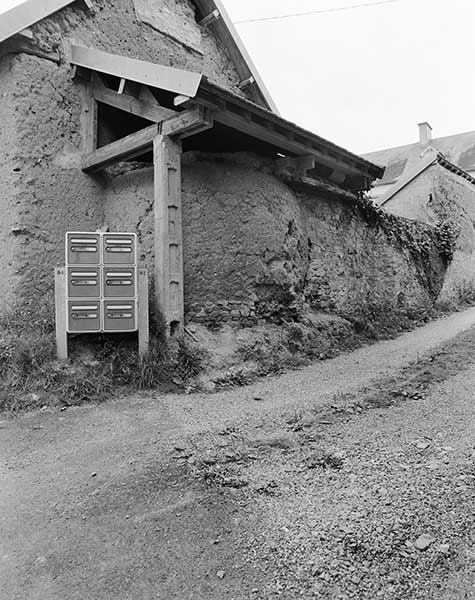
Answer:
(84, 282)
(119, 249)
(83, 248)
(84, 316)
(120, 315)
(119, 282)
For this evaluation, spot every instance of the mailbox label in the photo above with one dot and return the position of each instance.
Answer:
(84, 316)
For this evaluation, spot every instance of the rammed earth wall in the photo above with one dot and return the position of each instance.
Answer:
(257, 249)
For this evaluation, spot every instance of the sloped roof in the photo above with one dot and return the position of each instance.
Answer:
(430, 157)
(458, 149)
(30, 12)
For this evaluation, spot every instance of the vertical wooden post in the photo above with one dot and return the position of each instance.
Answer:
(168, 232)
(143, 317)
(90, 121)
(60, 313)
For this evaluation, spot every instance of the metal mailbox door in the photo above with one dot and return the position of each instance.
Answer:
(84, 316)
(119, 248)
(84, 282)
(83, 248)
(119, 282)
(120, 315)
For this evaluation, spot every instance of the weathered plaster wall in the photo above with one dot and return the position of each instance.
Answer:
(256, 249)
(52, 194)
(438, 196)
(128, 206)
(129, 28)
(45, 191)
(8, 180)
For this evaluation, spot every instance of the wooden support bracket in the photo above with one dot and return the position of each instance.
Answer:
(245, 82)
(211, 18)
(187, 123)
(144, 106)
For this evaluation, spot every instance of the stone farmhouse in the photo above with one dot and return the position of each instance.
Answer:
(149, 116)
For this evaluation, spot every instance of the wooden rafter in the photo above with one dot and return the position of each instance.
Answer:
(150, 110)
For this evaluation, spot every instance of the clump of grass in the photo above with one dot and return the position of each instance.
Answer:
(100, 365)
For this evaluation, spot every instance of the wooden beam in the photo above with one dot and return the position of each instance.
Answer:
(125, 148)
(280, 141)
(187, 123)
(211, 18)
(168, 233)
(159, 76)
(60, 313)
(121, 86)
(90, 122)
(135, 106)
(246, 82)
(143, 310)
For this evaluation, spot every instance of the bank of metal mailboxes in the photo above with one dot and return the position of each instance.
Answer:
(101, 282)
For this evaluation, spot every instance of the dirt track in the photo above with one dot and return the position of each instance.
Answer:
(94, 503)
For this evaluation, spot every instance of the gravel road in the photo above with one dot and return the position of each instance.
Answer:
(107, 501)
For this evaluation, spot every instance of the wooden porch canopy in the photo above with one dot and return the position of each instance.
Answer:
(158, 93)
(164, 111)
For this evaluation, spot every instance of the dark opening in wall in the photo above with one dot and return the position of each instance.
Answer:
(114, 124)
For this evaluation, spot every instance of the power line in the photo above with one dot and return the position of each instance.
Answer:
(315, 12)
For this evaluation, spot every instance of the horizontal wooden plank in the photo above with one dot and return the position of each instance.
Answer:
(189, 122)
(281, 141)
(135, 106)
(125, 148)
(159, 76)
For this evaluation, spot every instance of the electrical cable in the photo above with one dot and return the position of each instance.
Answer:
(315, 12)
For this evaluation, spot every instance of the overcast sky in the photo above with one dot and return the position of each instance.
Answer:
(364, 78)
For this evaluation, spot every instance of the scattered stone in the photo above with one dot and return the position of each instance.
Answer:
(424, 541)
(220, 574)
(444, 548)
(422, 445)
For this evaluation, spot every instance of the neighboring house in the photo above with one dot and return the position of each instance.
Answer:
(403, 163)
(433, 181)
